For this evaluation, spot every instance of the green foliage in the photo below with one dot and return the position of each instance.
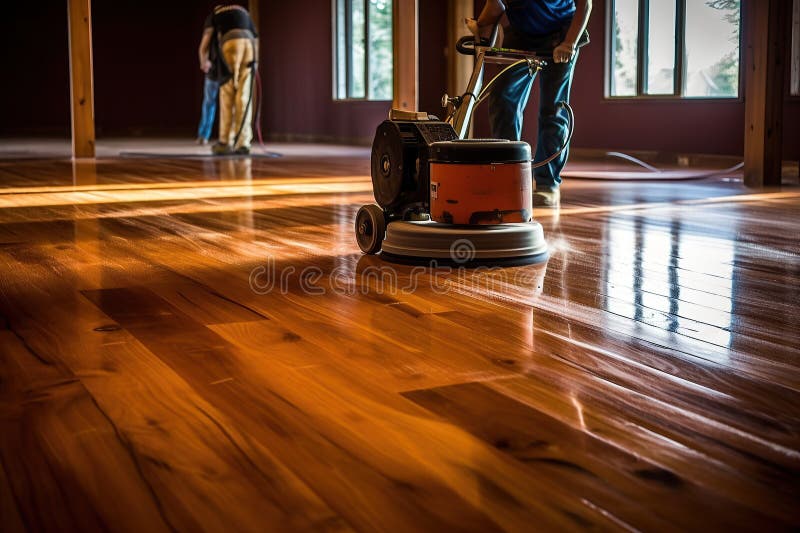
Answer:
(725, 75)
(376, 56)
(725, 72)
(624, 79)
(380, 49)
(734, 15)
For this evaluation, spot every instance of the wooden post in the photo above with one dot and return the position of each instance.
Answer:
(80, 73)
(764, 68)
(459, 66)
(405, 48)
(253, 8)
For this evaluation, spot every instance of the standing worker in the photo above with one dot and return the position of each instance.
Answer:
(541, 26)
(238, 44)
(211, 67)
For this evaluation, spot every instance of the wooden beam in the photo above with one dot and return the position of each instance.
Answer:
(405, 45)
(81, 81)
(253, 8)
(764, 69)
(459, 66)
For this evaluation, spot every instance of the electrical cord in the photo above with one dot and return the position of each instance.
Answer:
(485, 91)
(259, 98)
(257, 94)
(562, 105)
(570, 130)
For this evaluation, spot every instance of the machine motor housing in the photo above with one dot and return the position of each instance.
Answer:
(400, 168)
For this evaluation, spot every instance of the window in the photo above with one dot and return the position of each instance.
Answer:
(363, 49)
(687, 48)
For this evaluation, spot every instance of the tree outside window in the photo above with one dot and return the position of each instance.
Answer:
(686, 48)
(363, 60)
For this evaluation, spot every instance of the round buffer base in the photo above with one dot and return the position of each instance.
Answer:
(451, 244)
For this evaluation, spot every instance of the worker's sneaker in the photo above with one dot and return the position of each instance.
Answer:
(243, 150)
(547, 198)
(221, 149)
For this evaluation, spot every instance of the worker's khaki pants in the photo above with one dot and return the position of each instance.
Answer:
(235, 94)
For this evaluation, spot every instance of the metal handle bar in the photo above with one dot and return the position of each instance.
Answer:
(466, 46)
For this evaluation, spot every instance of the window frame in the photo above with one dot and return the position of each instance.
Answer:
(349, 53)
(641, 59)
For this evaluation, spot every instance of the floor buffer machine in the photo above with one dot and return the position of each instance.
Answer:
(443, 197)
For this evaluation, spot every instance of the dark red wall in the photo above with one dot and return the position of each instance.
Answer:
(147, 78)
(298, 75)
(34, 92)
(298, 72)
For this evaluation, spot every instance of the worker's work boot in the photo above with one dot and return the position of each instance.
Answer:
(547, 198)
(221, 149)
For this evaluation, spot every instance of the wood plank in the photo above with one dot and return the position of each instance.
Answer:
(645, 493)
(324, 331)
(764, 85)
(712, 390)
(267, 413)
(405, 47)
(10, 516)
(658, 435)
(57, 447)
(309, 398)
(201, 469)
(81, 78)
(204, 304)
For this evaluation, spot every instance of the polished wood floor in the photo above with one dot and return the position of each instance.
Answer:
(198, 345)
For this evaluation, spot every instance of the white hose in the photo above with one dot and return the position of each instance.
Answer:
(651, 168)
(632, 159)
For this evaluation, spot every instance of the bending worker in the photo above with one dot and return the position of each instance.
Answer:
(238, 44)
(539, 25)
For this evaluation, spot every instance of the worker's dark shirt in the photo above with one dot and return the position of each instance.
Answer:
(225, 19)
(539, 17)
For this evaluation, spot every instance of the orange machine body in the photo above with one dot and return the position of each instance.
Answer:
(475, 193)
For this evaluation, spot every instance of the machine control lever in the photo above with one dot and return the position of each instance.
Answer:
(455, 101)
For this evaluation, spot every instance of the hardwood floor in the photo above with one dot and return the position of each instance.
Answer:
(198, 345)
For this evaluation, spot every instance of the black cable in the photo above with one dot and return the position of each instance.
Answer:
(571, 129)
(563, 104)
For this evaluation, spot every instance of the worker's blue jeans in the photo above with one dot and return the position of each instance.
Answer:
(209, 109)
(507, 102)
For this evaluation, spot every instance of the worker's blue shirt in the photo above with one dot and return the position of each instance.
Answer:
(539, 17)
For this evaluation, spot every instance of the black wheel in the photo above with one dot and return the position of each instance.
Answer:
(370, 228)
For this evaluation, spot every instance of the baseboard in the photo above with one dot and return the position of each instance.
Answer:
(321, 139)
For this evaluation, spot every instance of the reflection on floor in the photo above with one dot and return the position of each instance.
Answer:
(193, 344)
